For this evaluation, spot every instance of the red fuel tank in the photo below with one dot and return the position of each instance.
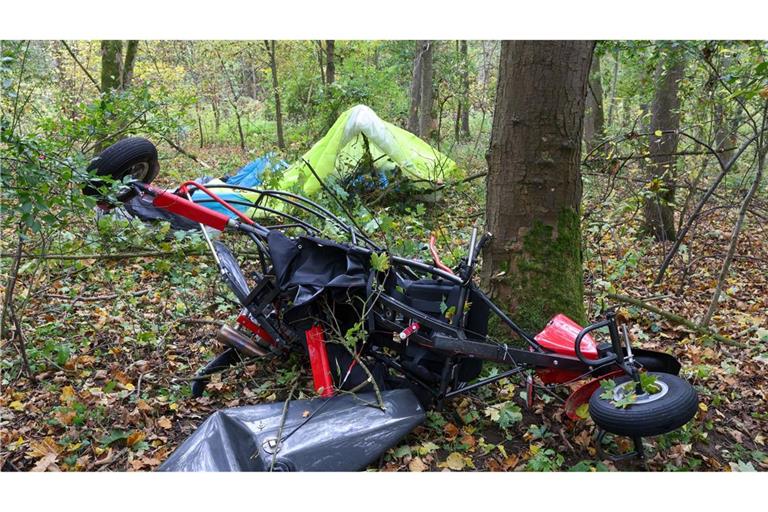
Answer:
(559, 336)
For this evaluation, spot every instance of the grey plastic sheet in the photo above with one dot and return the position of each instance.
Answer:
(343, 433)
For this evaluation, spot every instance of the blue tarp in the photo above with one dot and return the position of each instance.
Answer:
(249, 175)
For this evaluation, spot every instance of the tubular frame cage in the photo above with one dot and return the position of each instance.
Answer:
(449, 340)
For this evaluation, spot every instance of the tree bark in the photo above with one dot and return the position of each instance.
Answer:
(131, 49)
(111, 65)
(594, 119)
(413, 111)
(270, 46)
(330, 61)
(426, 95)
(534, 183)
(320, 63)
(464, 104)
(665, 115)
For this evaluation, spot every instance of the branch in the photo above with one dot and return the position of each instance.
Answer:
(98, 87)
(676, 319)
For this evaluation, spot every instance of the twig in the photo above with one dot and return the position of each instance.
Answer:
(199, 321)
(8, 309)
(676, 319)
(98, 87)
(95, 298)
(185, 152)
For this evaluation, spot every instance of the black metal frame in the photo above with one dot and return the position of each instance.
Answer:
(447, 338)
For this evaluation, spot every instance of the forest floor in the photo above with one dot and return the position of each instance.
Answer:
(114, 343)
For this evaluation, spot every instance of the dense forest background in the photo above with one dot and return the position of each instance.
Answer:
(104, 322)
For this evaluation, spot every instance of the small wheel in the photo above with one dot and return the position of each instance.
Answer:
(672, 407)
(135, 157)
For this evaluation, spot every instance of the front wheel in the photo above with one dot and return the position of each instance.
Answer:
(674, 405)
(134, 158)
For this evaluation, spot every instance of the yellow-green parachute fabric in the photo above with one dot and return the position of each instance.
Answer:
(342, 147)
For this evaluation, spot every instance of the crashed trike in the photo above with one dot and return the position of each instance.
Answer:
(387, 337)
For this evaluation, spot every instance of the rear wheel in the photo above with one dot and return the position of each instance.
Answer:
(674, 405)
(134, 157)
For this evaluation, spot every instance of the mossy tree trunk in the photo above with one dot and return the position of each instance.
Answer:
(534, 265)
(665, 116)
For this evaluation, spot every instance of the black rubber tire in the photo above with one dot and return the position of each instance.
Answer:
(666, 414)
(117, 161)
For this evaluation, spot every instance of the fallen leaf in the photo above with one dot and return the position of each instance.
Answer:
(136, 437)
(16, 405)
(455, 461)
(164, 422)
(451, 431)
(67, 394)
(417, 465)
(46, 462)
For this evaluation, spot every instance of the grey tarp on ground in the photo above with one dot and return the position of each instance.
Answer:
(343, 434)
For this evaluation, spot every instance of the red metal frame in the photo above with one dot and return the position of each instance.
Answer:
(584, 393)
(318, 358)
(245, 320)
(188, 209)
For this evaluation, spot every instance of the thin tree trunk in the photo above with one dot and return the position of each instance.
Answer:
(724, 170)
(413, 111)
(320, 62)
(464, 104)
(713, 306)
(330, 61)
(426, 96)
(131, 49)
(534, 263)
(270, 46)
(665, 116)
(614, 81)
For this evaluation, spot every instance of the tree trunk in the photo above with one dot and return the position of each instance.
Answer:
(614, 82)
(320, 62)
(426, 95)
(330, 61)
(534, 183)
(665, 115)
(464, 104)
(593, 115)
(413, 111)
(111, 65)
(130, 59)
(270, 46)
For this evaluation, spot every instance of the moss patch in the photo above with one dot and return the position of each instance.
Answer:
(545, 274)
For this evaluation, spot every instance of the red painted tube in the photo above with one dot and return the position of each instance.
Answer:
(245, 320)
(318, 358)
(188, 209)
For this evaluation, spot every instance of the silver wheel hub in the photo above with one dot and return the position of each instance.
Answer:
(627, 388)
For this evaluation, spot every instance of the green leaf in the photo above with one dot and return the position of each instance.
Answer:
(380, 262)
(658, 133)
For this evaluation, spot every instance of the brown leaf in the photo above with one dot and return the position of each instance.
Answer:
(135, 437)
(417, 465)
(164, 422)
(451, 431)
(46, 462)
